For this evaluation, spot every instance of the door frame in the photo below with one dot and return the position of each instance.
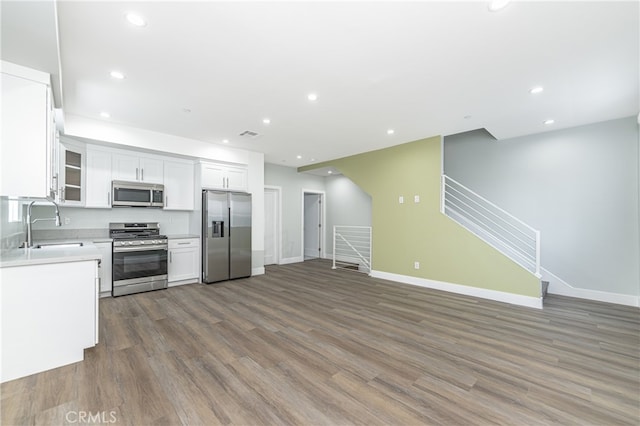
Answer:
(323, 221)
(278, 220)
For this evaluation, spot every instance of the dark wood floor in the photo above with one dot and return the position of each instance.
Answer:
(306, 345)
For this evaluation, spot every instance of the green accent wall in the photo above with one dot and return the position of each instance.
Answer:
(418, 232)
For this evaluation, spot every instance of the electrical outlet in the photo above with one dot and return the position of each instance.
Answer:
(401, 199)
(416, 198)
(416, 265)
(67, 220)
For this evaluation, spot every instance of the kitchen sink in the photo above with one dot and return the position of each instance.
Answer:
(57, 245)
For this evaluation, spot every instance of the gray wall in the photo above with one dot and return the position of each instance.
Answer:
(292, 184)
(345, 204)
(578, 186)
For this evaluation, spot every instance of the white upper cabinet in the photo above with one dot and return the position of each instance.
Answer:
(151, 170)
(98, 187)
(237, 178)
(27, 131)
(179, 192)
(224, 176)
(137, 168)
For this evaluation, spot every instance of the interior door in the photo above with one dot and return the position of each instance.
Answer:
(312, 225)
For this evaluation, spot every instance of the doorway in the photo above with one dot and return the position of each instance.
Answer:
(272, 225)
(313, 229)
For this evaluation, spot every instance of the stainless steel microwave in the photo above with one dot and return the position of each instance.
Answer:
(136, 194)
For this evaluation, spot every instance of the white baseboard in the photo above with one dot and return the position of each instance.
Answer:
(560, 287)
(483, 293)
(287, 260)
(257, 271)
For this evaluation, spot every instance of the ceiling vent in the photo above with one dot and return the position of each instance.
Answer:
(248, 134)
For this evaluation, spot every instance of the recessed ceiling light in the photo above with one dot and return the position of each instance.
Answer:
(266, 121)
(186, 110)
(313, 159)
(299, 157)
(496, 5)
(537, 89)
(390, 131)
(136, 20)
(104, 114)
(329, 172)
(549, 121)
(312, 97)
(225, 140)
(117, 75)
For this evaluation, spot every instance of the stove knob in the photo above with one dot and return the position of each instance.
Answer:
(141, 242)
(130, 243)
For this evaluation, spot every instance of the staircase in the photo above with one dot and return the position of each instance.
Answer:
(498, 228)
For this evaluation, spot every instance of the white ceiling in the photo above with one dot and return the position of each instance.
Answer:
(420, 68)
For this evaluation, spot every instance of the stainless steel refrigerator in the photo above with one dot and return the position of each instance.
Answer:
(226, 235)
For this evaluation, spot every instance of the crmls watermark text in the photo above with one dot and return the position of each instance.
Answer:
(88, 417)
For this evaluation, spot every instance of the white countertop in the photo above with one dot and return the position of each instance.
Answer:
(33, 256)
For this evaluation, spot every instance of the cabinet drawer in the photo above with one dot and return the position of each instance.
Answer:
(184, 243)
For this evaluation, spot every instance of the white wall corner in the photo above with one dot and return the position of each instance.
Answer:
(257, 271)
(498, 296)
(560, 287)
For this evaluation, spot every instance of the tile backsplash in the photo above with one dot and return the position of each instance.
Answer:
(81, 223)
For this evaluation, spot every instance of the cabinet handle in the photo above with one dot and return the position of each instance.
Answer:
(54, 184)
(166, 201)
(142, 174)
(108, 198)
(170, 257)
(137, 174)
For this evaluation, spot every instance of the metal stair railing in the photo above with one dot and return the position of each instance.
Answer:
(505, 232)
(352, 248)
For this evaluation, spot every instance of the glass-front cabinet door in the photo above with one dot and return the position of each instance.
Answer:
(72, 174)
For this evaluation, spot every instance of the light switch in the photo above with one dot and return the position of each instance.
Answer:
(416, 198)
(416, 265)
(401, 199)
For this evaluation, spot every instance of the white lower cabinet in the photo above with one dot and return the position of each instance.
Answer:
(106, 280)
(49, 316)
(184, 264)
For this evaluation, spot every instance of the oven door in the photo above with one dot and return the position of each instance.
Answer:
(138, 262)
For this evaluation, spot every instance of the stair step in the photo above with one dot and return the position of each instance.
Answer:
(545, 287)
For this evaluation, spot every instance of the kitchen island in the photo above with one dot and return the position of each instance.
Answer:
(49, 307)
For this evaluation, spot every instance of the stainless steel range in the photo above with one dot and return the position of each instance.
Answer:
(139, 257)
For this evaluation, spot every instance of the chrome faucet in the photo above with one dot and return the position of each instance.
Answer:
(30, 222)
